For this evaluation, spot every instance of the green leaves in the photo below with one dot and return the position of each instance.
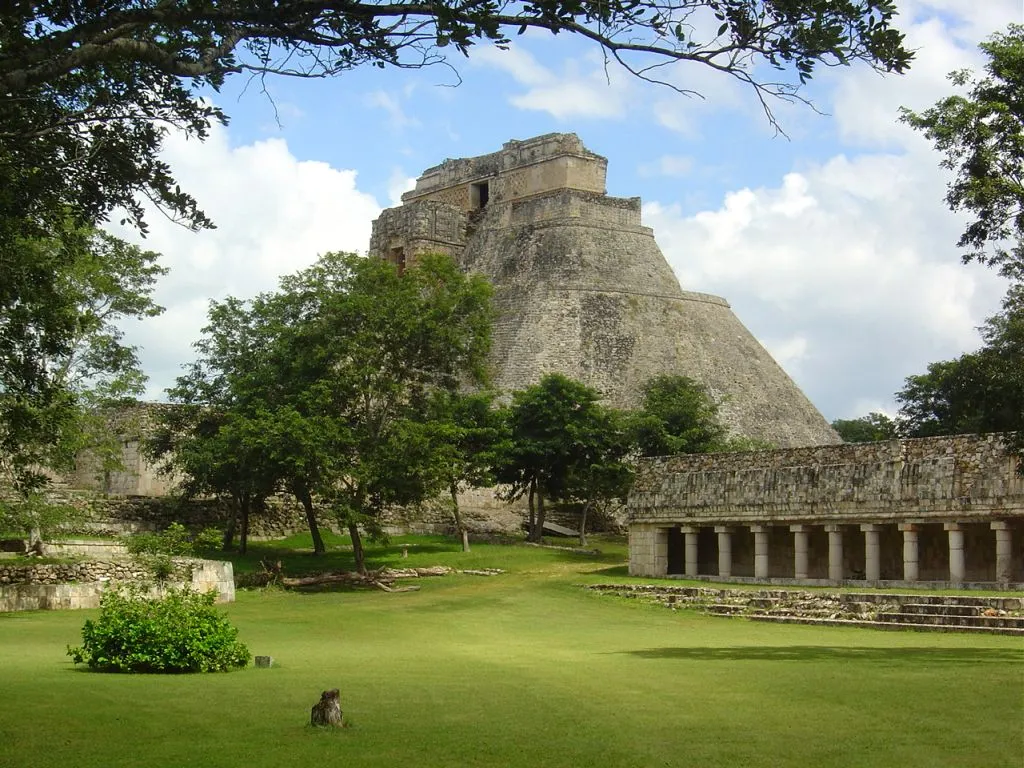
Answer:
(981, 391)
(677, 416)
(981, 135)
(329, 387)
(866, 429)
(563, 444)
(180, 631)
(62, 355)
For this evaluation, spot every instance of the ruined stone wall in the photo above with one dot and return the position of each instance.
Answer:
(520, 169)
(423, 227)
(81, 585)
(953, 478)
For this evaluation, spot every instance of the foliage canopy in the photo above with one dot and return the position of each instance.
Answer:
(981, 135)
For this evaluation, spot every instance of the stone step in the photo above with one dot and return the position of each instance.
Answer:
(780, 619)
(954, 621)
(933, 609)
(719, 609)
(1002, 603)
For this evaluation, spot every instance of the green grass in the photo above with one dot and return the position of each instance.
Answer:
(522, 669)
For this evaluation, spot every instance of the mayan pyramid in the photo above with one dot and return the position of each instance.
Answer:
(582, 288)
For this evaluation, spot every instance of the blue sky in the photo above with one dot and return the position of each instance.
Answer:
(833, 245)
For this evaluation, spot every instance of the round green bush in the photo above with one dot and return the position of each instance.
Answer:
(180, 631)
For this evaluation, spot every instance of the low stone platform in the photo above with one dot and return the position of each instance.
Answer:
(876, 610)
(80, 585)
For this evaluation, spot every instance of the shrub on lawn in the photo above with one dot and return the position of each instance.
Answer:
(181, 631)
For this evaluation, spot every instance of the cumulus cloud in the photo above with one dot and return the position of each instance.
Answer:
(846, 268)
(583, 89)
(274, 215)
(844, 271)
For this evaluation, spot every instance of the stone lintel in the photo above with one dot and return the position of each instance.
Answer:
(952, 526)
(870, 527)
(909, 527)
(800, 528)
(723, 529)
(760, 528)
(1000, 525)
(691, 529)
(833, 528)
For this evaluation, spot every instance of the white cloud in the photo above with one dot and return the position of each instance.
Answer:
(398, 183)
(392, 106)
(274, 215)
(847, 266)
(668, 165)
(866, 104)
(584, 89)
(847, 270)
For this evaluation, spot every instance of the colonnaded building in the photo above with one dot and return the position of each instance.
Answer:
(945, 510)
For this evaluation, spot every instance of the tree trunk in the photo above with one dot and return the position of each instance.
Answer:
(463, 533)
(583, 524)
(229, 532)
(243, 532)
(539, 537)
(302, 494)
(357, 547)
(533, 515)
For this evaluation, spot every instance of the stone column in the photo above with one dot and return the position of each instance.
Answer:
(724, 550)
(800, 569)
(872, 552)
(910, 557)
(956, 552)
(690, 532)
(1004, 551)
(760, 551)
(835, 552)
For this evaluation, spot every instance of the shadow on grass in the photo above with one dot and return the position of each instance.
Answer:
(888, 655)
(615, 570)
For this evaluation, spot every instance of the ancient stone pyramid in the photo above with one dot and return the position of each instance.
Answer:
(582, 288)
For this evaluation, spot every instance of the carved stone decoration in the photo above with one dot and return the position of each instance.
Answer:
(327, 711)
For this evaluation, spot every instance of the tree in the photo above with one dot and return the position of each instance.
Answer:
(560, 436)
(677, 415)
(866, 429)
(471, 434)
(62, 355)
(333, 376)
(981, 134)
(982, 391)
(88, 89)
(603, 474)
(214, 451)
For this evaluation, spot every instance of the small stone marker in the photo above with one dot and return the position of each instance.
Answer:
(405, 551)
(327, 711)
(264, 662)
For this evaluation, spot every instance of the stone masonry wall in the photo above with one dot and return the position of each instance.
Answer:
(80, 585)
(953, 478)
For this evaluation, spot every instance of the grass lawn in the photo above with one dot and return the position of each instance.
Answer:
(522, 669)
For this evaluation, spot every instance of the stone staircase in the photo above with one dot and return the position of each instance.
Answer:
(877, 610)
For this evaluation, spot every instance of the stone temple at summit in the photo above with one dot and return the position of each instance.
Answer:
(581, 287)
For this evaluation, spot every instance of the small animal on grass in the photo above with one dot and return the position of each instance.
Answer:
(327, 711)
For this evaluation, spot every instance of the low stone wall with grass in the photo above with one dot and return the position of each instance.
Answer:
(56, 586)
